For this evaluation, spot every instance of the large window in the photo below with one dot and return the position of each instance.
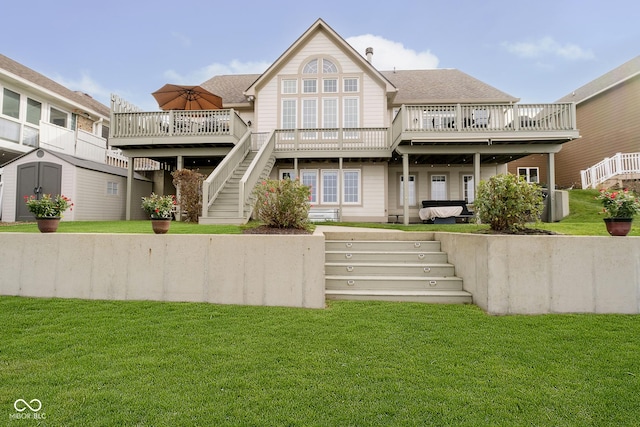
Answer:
(310, 179)
(330, 186)
(412, 190)
(351, 186)
(11, 103)
(34, 111)
(289, 114)
(58, 117)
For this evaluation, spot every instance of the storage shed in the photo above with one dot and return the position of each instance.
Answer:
(98, 191)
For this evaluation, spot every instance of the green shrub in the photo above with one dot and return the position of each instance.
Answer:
(189, 185)
(507, 202)
(282, 204)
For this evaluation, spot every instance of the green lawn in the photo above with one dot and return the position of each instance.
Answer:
(354, 363)
(585, 219)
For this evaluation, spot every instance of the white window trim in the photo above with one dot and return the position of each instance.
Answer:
(527, 175)
(322, 188)
(359, 190)
(314, 190)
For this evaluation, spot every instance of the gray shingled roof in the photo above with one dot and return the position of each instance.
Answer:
(612, 78)
(414, 87)
(38, 79)
(442, 86)
(230, 87)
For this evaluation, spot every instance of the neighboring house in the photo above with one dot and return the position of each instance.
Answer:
(608, 116)
(372, 145)
(97, 190)
(69, 127)
(37, 112)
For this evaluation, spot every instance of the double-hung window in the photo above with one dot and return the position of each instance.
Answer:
(310, 179)
(351, 186)
(330, 186)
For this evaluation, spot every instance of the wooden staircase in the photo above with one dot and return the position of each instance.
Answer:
(391, 270)
(225, 208)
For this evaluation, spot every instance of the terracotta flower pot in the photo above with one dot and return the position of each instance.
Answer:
(618, 226)
(48, 225)
(160, 226)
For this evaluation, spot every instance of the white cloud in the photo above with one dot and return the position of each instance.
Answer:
(184, 40)
(87, 85)
(216, 69)
(388, 54)
(548, 46)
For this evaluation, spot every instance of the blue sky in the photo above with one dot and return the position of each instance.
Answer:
(537, 51)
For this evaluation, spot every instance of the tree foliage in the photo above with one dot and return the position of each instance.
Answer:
(189, 185)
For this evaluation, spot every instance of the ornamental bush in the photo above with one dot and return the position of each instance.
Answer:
(189, 185)
(282, 204)
(507, 202)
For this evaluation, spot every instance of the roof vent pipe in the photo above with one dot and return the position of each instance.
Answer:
(369, 53)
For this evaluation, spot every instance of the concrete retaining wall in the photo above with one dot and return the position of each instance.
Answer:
(547, 274)
(225, 269)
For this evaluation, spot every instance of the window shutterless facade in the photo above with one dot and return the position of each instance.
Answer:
(11, 103)
(531, 175)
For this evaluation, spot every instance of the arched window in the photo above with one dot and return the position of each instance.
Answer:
(311, 67)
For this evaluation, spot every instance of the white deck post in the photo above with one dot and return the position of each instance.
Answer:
(551, 181)
(405, 186)
(130, 172)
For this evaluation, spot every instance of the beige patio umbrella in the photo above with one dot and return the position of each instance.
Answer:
(180, 97)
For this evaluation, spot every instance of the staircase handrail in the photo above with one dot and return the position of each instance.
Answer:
(221, 174)
(255, 169)
(620, 163)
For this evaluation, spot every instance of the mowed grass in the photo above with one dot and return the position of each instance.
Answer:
(585, 219)
(351, 364)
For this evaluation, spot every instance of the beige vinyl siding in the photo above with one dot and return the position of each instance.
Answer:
(373, 197)
(93, 202)
(608, 124)
(372, 112)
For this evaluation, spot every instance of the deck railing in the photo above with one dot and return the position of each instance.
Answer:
(620, 164)
(252, 175)
(214, 182)
(329, 139)
(140, 124)
(485, 117)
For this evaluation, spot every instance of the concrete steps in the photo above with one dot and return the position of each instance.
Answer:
(391, 270)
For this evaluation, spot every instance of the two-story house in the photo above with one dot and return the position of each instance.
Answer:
(371, 144)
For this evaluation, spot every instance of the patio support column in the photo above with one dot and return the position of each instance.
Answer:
(179, 166)
(130, 172)
(405, 188)
(340, 185)
(295, 167)
(476, 173)
(551, 186)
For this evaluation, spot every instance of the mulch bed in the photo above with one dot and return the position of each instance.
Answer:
(263, 229)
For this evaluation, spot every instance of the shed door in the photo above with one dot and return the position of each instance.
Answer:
(36, 178)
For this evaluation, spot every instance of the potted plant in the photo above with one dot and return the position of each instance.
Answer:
(48, 210)
(159, 209)
(620, 206)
